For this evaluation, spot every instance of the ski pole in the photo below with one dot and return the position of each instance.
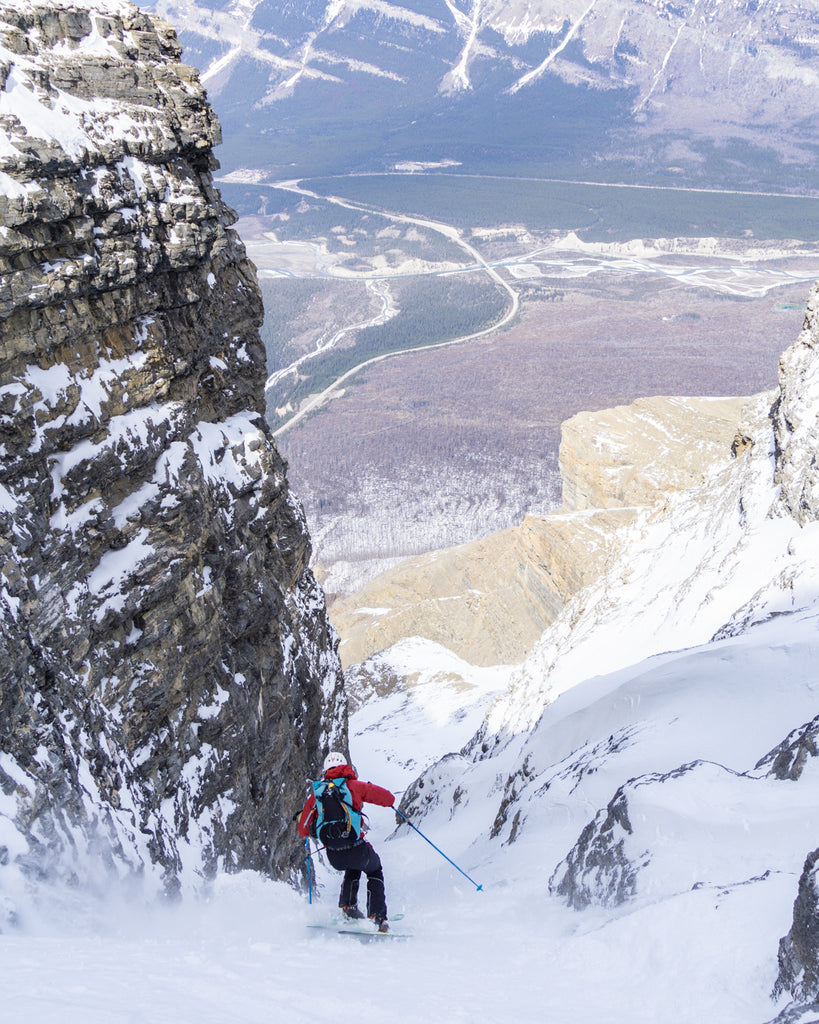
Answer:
(478, 888)
(309, 872)
(311, 853)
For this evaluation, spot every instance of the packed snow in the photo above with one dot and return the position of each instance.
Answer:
(698, 942)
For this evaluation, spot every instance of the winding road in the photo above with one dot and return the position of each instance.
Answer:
(316, 401)
(723, 272)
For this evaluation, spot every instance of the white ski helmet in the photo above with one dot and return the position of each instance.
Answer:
(334, 760)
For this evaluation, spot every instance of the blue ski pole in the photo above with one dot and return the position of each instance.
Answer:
(309, 872)
(478, 888)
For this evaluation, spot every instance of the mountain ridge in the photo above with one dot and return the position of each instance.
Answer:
(167, 668)
(655, 70)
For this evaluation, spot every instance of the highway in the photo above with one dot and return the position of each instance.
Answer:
(314, 402)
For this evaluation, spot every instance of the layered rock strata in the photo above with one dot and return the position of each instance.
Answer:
(490, 601)
(637, 454)
(168, 676)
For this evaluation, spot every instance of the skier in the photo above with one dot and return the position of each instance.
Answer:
(352, 854)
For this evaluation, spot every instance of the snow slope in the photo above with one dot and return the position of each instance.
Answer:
(697, 943)
(638, 860)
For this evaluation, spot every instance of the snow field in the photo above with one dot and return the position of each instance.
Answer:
(697, 943)
(247, 957)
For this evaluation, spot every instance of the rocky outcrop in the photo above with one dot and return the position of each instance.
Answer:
(798, 974)
(168, 674)
(598, 870)
(628, 848)
(638, 454)
(788, 760)
(796, 422)
(798, 1013)
(799, 949)
(491, 600)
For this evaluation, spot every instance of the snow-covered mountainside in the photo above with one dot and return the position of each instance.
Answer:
(670, 88)
(676, 784)
(638, 801)
(167, 670)
(660, 741)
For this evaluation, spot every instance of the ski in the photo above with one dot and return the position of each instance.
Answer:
(360, 933)
(352, 922)
(372, 935)
(364, 930)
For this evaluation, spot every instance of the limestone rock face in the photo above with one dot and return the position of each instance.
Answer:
(491, 600)
(466, 598)
(637, 454)
(168, 676)
(488, 601)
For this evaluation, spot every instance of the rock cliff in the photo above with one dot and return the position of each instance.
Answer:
(490, 601)
(638, 454)
(168, 676)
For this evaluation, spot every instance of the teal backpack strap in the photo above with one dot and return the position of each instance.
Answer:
(353, 816)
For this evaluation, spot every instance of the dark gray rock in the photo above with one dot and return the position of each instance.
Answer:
(799, 949)
(798, 1013)
(168, 675)
(796, 429)
(597, 868)
(787, 761)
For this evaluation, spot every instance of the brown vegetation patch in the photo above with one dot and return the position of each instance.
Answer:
(440, 447)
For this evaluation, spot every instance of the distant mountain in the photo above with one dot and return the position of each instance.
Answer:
(684, 91)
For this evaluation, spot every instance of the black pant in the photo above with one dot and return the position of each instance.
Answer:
(352, 861)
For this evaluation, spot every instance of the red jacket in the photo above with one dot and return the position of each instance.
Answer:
(361, 793)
